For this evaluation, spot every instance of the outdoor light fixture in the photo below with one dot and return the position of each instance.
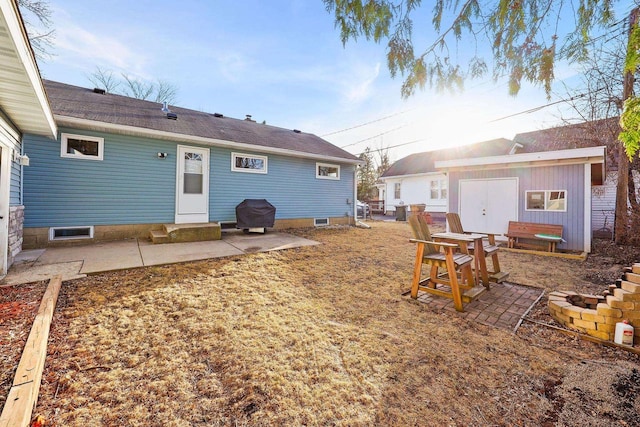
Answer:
(21, 159)
(163, 155)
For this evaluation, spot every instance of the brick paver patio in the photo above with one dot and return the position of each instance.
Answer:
(502, 306)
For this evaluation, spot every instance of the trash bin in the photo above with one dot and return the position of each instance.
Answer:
(401, 212)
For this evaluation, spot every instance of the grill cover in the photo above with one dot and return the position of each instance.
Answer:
(255, 213)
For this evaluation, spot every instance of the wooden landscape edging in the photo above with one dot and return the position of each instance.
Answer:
(23, 395)
(582, 256)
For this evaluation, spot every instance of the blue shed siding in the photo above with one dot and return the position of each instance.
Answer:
(566, 177)
(133, 186)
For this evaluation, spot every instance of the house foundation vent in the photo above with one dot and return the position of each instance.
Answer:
(71, 233)
(320, 222)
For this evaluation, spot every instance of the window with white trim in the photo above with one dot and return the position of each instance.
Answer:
(81, 147)
(327, 171)
(248, 163)
(396, 190)
(546, 200)
(438, 189)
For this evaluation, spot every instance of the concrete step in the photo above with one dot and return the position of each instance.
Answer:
(159, 236)
(180, 233)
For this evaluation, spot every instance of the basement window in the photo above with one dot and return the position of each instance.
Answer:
(70, 233)
(327, 171)
(81, 147)
(320, 222)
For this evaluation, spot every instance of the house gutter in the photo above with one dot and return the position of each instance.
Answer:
(413, 175)
(546, 158)
(98, 126)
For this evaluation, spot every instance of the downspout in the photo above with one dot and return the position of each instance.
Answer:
(587, 208)
(354, 206)
(22, 175)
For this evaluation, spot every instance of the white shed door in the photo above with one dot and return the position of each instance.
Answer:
(192, 185)
(488, 204)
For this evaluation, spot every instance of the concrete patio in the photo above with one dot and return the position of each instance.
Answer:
(78, 261)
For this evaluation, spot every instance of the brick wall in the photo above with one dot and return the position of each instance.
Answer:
(597, 315)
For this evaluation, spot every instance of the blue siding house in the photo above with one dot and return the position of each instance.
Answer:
(120, 167)
(551, 187)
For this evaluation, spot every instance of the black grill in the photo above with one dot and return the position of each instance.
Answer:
(255, 213)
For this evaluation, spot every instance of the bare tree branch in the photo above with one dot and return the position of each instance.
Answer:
(104, 79)
(36, 15)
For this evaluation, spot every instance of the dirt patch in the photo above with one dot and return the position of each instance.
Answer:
(319, 336)
(18, 307)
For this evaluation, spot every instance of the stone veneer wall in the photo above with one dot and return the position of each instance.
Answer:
(598, 315)
(16, 221)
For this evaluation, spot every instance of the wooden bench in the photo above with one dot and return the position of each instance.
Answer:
(531, 235)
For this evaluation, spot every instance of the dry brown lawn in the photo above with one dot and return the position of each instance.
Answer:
(320, 336)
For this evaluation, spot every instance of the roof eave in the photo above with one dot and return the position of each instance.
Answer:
(412, 175)
(578, 155)
(28, 108)
(98, 126)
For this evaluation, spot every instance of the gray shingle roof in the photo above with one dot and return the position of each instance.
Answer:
(424, 162)
(82, 103)
(579, 135)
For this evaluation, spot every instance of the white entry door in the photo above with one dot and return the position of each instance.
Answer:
(192, 185)
(488, 204)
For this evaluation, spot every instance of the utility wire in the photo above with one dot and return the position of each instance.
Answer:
(368, 123)
(394, 146)
(375, 136)
(529, 111)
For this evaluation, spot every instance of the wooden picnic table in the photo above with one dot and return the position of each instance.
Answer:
(480, 261)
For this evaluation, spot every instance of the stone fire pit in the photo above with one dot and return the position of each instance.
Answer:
(597, 315)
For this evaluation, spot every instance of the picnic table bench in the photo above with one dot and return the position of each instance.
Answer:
(531, 235)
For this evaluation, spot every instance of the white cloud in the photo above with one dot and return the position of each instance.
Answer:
(88, 48)
(360, 86)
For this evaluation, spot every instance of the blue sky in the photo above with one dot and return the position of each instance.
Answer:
(281, 61)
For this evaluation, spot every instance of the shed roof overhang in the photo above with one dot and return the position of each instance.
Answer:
(22, 96)
(590, 155)
(98, 126)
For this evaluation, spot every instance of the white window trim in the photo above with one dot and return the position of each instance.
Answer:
(547, 193)
(441, 185)
(52, 233)
(320, 222)
(63, 146)
(330, 165)
(397, 185)
(246, 170)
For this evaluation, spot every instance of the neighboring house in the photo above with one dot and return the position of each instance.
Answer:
(587, 134)
(552, 187)
(23, 110)
(415, 180)
(120, 167)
